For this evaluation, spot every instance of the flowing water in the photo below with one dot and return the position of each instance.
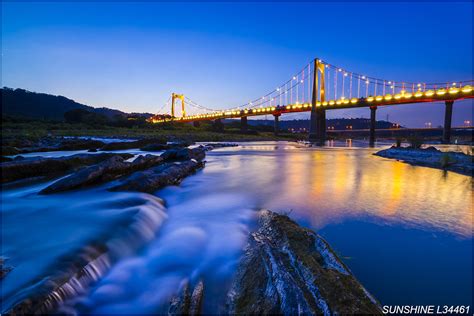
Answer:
(404, 231)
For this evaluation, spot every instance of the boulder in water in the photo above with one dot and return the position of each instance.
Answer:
(187, 303)
(184, 154)
(105, 171)
(158, 177)
(287, 269)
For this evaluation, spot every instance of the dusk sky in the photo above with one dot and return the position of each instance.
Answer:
(132, 56)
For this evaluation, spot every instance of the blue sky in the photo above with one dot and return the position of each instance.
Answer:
(131, 56)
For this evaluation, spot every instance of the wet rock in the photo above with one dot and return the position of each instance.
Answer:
(160, 147)
(9, 150)
(155, 147)
(431, 157)
(184, 154)
(133, 144)
(60, 144)
(188, 303)
(4, 269)
(158, 177)
(5, 159)
(287, 269)
(38, 166)
(102, 172)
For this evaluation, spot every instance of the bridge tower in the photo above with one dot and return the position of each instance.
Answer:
(317, 129)
(175, 96)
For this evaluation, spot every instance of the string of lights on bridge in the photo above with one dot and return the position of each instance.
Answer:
(341, 88)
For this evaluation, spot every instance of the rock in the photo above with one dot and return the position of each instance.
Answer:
(5, 159)
(38, 166)
(160, 147)
(155, 147)
(133, 144)
(431, 157)
(92, 150)
(9, 150)
(184, 154)
(158, 177)
(188, 303)
(4, 269)
(105, 171)
(287, 269)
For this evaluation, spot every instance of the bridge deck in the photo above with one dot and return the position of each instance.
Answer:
(452, 94)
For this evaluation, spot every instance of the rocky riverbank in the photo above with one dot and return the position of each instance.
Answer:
(431, 157)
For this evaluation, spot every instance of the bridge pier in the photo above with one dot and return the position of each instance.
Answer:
(276, 124)
(448, 114)
(317, 129)
(373, 121)
(243, 124)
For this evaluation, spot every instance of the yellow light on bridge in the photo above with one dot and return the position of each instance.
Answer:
(370, 99)
(346, 101)
(418, 94)
(441, 92)
(273, 108)
(331, 102)
(325, 103)
(453, 90)
(288, 106)
(378, 98)
(407, 95)
(388, 97)
(397, 96)
(338, 102)
(318, 103)
(466, 89)
(429, 93)
(354, 100)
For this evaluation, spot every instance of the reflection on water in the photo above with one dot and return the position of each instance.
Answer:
(405, 231)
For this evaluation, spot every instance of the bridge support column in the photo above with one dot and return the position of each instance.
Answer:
(317, 129)
(373, 121)
(243, 124)
(448, 114)
(276, 124)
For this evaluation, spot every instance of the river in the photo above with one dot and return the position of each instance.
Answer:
(406, 232)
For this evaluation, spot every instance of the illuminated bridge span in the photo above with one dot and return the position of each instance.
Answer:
(320, 86)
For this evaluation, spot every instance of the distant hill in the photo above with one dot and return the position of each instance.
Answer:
(27, 104)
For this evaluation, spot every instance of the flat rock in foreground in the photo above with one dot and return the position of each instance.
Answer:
(431, 157)
(102, 172)
(287, 269)
(150, 180)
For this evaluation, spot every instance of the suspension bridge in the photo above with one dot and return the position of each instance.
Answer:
(320, 86)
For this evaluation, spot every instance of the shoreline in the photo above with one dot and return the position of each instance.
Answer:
(431, 157)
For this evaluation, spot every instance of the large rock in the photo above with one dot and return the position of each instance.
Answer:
(4, 269)
(133, 144)
(287, 269)
(180, 154)
(187, 303)
(158, 177)
(105, 171)
(431, 157)
(37, 166)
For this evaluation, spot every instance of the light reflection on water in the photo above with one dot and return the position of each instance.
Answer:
(405, 231)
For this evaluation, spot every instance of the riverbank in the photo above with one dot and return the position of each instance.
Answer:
(431, 157)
